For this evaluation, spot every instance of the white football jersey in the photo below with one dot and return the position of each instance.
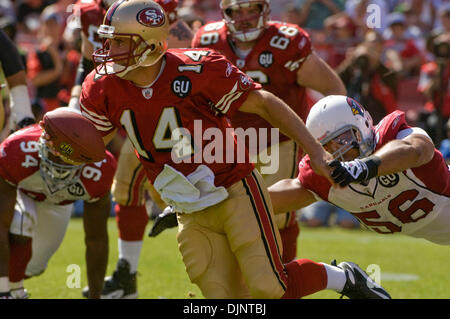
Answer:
(19, 165)
(415, 202)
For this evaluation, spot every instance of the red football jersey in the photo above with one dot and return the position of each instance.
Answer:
(272, 62)
(90, 14)
(194, 93)
(19, 165)
(400, 202)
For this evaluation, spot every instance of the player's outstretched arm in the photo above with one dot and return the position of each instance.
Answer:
(7, 202)
(289, 195)
(279, 114)
(95, 219)
(398, 155)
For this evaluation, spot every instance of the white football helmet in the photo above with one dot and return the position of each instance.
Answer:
(246, 35)
(144, 22)
(56, 175)
(334, 115)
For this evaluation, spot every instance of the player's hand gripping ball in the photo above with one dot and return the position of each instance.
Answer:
(72, 137)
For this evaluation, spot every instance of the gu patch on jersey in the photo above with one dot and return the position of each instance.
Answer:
(389, 180)
(265, 59)
(76, 190)
(181, 86)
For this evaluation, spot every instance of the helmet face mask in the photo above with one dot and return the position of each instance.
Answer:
(345, 122)
(57, 176)
(230, 8)
(344, 140)
(143, 25)
(108, 63)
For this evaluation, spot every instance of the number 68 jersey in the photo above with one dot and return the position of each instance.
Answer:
(19, 166)
(415, 202)
(273, 62)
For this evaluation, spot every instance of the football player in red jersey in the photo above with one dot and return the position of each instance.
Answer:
(130, 183)
(171, 104)
(89, 15)
(391, 177)
(36, 219)
(280, 57)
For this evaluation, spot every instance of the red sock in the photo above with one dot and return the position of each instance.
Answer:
(131, 221)
(305, 277)
(19, 256)
(289, 240)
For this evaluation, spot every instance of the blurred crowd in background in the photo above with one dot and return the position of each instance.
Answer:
(391, 54)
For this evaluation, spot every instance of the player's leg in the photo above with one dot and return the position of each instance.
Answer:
(21, 233)
(52, 222)
(287, 223)
(236, 238)
(208, 258)
(260, 260)
(128, 192)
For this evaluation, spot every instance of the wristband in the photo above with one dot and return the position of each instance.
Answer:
(372, 163)
(20, 103)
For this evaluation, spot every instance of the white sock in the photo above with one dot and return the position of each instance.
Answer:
(4, 284)
(16, 285)
(130, 251)
(336, 277)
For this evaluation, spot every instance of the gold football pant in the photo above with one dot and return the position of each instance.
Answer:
(287, 168)
(130, 181)
(233, 249)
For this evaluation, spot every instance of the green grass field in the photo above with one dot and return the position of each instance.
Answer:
(410, 268)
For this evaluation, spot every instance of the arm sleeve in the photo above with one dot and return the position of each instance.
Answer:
(9, 56)
(84, 68)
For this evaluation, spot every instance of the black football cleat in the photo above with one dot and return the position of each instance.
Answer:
(121, 285)
(359, 285)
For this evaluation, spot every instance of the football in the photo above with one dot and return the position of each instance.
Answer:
(73, 136)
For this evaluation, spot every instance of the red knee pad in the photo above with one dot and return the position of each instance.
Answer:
(19, 256)
(289, 240)
(131, 221)
(305, 277)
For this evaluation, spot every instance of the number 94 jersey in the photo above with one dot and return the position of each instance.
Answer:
(414, 202)
(19, 166)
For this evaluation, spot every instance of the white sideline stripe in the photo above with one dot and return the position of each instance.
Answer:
(391, 276)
